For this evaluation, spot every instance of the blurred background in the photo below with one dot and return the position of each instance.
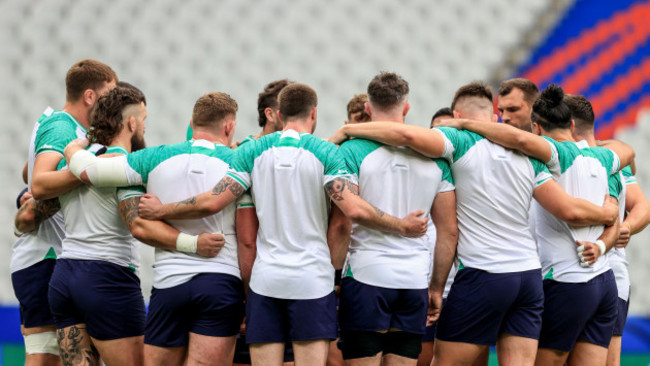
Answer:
(175, 51)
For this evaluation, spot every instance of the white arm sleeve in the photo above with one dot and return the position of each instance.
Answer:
(102, 172)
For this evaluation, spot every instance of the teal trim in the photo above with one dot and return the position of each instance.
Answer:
(443, 165)
(55, 132)
(189, 133)
(549, 275)
(461, 266)
(348, 273)
(238, 180)
(51, 254)
(246, 205)
(287, 142)
(131, 268)
(615, 185)
(116, 150)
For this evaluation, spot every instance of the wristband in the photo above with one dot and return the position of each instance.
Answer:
(337, 276)
(601, 246)
(186, 243)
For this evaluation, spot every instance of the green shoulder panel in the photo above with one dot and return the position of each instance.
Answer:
(605, 156)
(189, 133)
(327, 153)
(446, 170)
(55, 132)
(355, 151)
(461, 140)
(628, 177)
(567, 152)
(615, 185)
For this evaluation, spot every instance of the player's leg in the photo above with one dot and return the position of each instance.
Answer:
(517, 344)
(403, 342)
(312, 325)
(123, 351)
(457, 353)
(311, 352)
(76, 347)
(585, 353)
(210, 350)
(267, 354)
(267, 329)
(164, 356)
(334, 355)
(401, 348)
(37, 322)
(614, 350)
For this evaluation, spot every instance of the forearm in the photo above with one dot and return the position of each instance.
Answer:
(192, 208)
(425, 141)
(443, 259)
(48, 185)
(338, 236)
(585, 213)
(512, 138)
(100, 172)
(624, 151)
(246, 226)
(610, 235)
(33, 212)
(374, 218)
(638, 209)
(154, 233)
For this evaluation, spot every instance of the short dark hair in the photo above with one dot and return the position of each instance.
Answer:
(582, 112)
(550, 111)
(268, 98)
(87, 74)
(212, 108)
(297, 100)
(530, 90)
(387, 90)
(445, 111)
(124, 84)
(358, 104)
(474, 89)
(106, 116)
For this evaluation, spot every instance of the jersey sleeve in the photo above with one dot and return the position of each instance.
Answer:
(615, 185)
(245, 201)
(242, 165)
(53, 136)
(457, 143)
(541, 172)
(129, 192)
(447, 182)
(554, 166)
(628, 177)
(335, 166)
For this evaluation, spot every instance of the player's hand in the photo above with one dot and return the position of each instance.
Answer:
(26, 196)
(588, 253)
(339, 137)
(435, 306)
(149, 207)
(457, 123)
(414, 226)
(624, 236)
(209, 244)
(242, 327)
(611, 210)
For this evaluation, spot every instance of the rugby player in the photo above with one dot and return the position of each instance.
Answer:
(496, 252)
(197, 301)
(357, 110)
(384, 295)
(583, 330)
(34, 254)
(290, 295)
(441, 114)
(632, 201)
(515, 102)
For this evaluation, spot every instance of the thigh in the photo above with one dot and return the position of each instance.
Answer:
(60, 297)
(124, 351)
(364, 307)
(164, 356)
(312, 319)
(524, 318)
(311, 352)
(31, 289)
(204, 350)
(75, 346)
(457, 353)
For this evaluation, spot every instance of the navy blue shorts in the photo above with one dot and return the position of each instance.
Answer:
(269, 319)
(621, 317)
(210, 304)
(31, 286)
(104, 296)
(430, 331)
(579, 311)
(371, 308)
(481, 306)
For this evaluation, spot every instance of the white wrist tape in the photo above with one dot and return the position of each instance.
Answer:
(601, 246)
(187, 243)
(80, 161)
(41, 343)
(108, 172)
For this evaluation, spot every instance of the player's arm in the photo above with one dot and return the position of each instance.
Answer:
(589, 252)
(638, 214)
(98, 171)
(205, 204)
(338, 236)
(443, 214)
(423, 140)
(624, 151)
(246, 226)
(507, 136)
(33, 212)
(345, 195)
(574, 211)
(161, 235)
(47, 182)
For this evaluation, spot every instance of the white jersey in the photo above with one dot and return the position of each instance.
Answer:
(93, 226)
(494, 189)
(53, 131)
(582, 173)
(616, 256)
(286, 172)
(398, 181)
(174, 173)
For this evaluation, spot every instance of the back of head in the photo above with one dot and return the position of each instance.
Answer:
(268, 98)
(356, 105)
(445, 112)
(211, 109)
(550, 111)
(124, 84)
(110, 111)
(474, 100)
(297, 101)
(581, 112)
(387, 91)
(87, 74)
(530, 90)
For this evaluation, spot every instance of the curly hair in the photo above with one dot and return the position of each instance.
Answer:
(357, 105)
(106, 117)
(387, 89)
(268, 98)
(550, 111)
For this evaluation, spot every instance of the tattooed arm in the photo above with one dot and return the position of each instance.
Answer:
(346, 196)
(205, 204)
(33, 212)
(160, 234)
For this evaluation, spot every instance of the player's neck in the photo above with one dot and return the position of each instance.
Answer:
(212, 137)
(298, 126)
(590, 138)
(268, 128)
(79, 112)
(560, 135)
(123, 141)
(391, 116)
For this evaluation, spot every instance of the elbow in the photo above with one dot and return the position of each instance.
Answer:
(38, 191)
(138, 230)
(356, 214)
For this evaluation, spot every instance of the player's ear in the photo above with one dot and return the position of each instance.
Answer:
(495, 117)
(573, 125)
(366, 107)
(89, 97)
(456, 114)
(269, 113)
(313, 114)
(407, 106)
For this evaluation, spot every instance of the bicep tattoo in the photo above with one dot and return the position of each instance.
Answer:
(336, 187)
(228, 183)
(129, 210)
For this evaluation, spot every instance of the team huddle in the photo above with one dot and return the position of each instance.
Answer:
(388, 244)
